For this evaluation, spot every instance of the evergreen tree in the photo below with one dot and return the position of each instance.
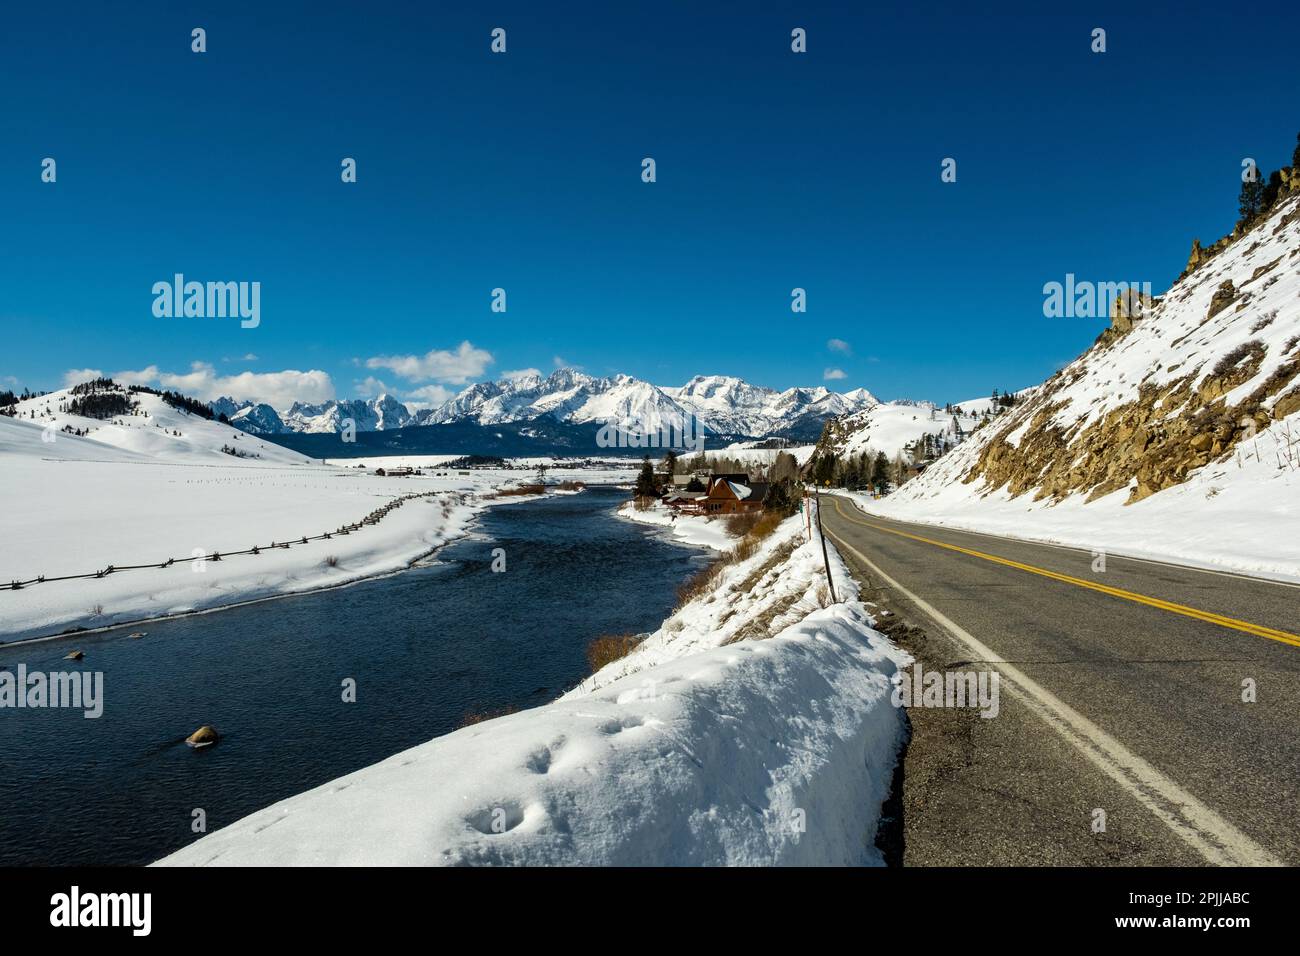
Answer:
(1251, 201)
(783, 497)
(1271, 189)
(1295, 157)
(880, 472)
(645, 482)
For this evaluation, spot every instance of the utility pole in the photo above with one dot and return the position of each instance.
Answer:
(825, 560)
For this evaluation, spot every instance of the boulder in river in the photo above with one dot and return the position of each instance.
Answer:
(74, 655)
(137, 635)
(205, 736)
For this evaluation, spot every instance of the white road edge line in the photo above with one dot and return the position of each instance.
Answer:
(1213, 837)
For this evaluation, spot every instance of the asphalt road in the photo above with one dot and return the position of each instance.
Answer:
(1121, 692)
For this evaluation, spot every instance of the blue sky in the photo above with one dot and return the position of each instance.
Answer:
(522, 171)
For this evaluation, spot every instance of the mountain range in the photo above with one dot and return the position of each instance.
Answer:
(723, 405)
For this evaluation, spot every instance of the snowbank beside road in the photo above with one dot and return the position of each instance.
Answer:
(699, 748)
(1226, 517)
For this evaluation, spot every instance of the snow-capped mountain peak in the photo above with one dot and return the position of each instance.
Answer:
(722, 404)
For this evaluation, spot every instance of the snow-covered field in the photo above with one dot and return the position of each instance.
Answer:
(754, 727)
(523, 470)
(157, 487)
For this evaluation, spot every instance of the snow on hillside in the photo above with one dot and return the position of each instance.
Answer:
(891, 427)
(154, 429)
(746, 452)
(754, 728)
(731, 405)
(1177, 438)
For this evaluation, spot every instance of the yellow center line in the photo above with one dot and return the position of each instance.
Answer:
(1272, 633)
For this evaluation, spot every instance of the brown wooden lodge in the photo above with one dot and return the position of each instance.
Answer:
(710, 494)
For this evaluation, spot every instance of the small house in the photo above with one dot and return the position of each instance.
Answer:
(733, 494)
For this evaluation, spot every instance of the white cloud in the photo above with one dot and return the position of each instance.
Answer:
(75, 376)
(455, 367)
(372, 386)
(145, 376)
(839, 345)
(833, 374)
(519, 373)
(277, 389)
(427, 397)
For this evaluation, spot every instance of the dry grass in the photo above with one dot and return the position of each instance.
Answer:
(760, 627)
(778, 557)
(739, 525)
(705, 580)
(766, 524)
(571, 486)
(699, 583)
(610, 647)
(520, 490)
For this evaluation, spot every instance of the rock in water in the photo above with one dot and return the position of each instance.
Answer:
(137, 635)
(205, 736)
(73, 656)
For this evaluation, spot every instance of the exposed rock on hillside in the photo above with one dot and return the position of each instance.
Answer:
(1213, 365)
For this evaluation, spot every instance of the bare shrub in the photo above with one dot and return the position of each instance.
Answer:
(1254, 349)
(739, 525)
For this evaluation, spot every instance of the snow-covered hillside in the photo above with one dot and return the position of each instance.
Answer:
(892, 427)
(1177, 434)
(152, 428)
(754, 728)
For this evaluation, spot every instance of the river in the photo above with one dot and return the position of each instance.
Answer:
(426, 647)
